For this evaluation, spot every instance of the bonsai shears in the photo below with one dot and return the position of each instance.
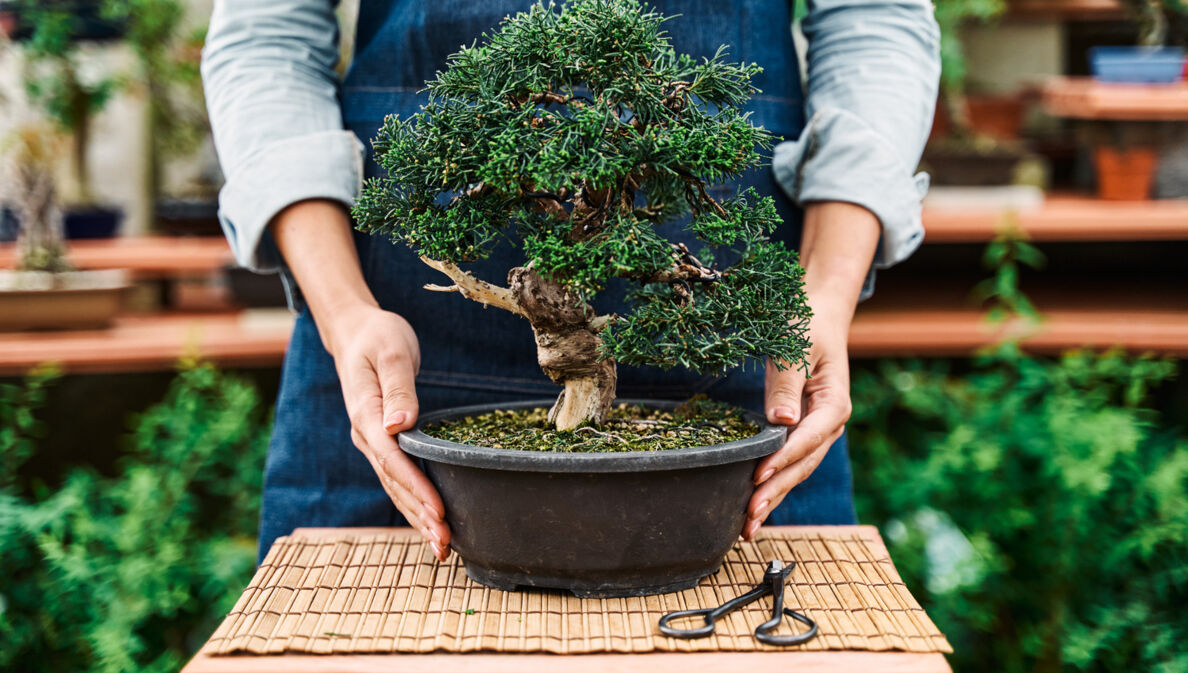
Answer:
(773, 585)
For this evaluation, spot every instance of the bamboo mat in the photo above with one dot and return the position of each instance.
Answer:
(381, 590)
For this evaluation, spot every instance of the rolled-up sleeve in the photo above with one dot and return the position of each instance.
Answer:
(873, 69)
(272, 96)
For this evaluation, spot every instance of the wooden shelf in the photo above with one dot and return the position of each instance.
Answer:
(154, 343)
(1070, 10)
(1086, 98)
(958, 333)
(259, 338)
(146, 256)
(1065, 218)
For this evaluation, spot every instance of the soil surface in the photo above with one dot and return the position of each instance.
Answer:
(631, 427)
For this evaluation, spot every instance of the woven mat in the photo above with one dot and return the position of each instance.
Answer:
(338, 591)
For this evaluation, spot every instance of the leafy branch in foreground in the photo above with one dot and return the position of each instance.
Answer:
(575, 133)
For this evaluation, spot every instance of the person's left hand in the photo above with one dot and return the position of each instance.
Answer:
(815, 411)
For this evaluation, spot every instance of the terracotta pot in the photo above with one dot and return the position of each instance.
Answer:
(996, 116)
(1124, 174)
(999, 117)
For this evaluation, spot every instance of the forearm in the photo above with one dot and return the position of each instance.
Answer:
(873, 67)
(836, 249)
(314, 237)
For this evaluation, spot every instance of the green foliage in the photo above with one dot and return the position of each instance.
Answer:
(52, 80)
(575, 133)
(1037, 508)
(131, 573)
(725, 323)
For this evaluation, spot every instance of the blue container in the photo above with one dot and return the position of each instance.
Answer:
(1140, 65)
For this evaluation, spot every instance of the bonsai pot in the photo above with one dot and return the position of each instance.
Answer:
(196, 217)
(80, 222)
(596, 524)
(1124, 174)
(951, 165)
(1139, 65)
(66, 300)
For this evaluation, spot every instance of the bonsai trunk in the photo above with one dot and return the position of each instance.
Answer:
(567, 349)
(567, 341)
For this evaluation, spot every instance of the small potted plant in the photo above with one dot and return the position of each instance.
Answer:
(973, 143)
(1126, 157)
(58, 80)
(1152, 61)
(44, 291)
(582, 136)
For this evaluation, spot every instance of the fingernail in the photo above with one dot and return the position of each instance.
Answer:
(766, 475)
(783, 414)
(396, 419)
(436, 548)
(752, 528)
(761, 510)
(434, 536)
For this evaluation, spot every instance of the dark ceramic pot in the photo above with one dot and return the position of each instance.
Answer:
(91, 222)
(596, 524)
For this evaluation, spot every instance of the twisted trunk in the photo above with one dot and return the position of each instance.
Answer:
(567, 346)
(567, 341)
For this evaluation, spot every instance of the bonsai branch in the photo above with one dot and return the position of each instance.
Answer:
(472, 288)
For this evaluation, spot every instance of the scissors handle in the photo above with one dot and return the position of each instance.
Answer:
(763, 633)
(699, 632)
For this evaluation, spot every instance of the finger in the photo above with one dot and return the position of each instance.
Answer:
(400, 468)
(774, 490)
(397, 384)
(783, 392)
(827, 415)
(417, 513)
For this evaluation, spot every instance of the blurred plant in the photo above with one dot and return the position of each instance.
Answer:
(56, 80)
(1155, 18)
(951, 17)
(131, 573)
(168, 61)
(1037, 508)
(32, 151)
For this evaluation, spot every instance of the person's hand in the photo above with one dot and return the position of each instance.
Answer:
(377, 356)
(815, 411)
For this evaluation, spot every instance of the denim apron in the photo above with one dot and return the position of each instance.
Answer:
(314, 475)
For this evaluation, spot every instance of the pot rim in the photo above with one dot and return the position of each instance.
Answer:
(416, 443)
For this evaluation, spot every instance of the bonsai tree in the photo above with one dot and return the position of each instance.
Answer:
(574, 134)
(168, 74)
(31, 153)
(54, 81)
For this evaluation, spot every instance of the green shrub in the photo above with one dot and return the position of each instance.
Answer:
(1037, 508)
(131, 573)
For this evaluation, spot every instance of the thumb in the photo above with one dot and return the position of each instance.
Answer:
(783, 393)
(398, 388)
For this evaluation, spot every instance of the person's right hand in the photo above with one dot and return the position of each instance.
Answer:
(377, 356)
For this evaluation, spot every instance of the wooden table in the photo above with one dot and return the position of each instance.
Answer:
(653, 662)
(657, 662)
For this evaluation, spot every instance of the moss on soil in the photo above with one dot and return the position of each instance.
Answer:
(697, 422)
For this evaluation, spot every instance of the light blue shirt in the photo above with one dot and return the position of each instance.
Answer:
(268, 70)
